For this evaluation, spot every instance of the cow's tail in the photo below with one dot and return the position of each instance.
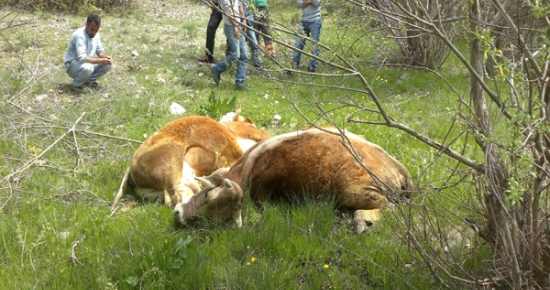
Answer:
(121, 191)
(237, 114)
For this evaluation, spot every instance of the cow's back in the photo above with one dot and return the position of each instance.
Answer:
(200, 143)
(317, 163)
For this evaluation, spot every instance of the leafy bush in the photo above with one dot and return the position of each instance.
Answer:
(216, 106)
(72, 6)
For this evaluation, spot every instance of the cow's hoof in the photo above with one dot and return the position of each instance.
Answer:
(364, 218)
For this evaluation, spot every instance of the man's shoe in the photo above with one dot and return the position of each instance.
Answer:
(215, 75)
(242, 88)
(94, 85)
(205, 59)
(78, 90)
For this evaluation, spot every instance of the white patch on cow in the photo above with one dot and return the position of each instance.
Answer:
(347, 133)
(264, 146)
(178, 213)
(187, 182)
(245, 144)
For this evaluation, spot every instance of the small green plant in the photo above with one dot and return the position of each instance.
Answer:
(215, 106)
(159, 258)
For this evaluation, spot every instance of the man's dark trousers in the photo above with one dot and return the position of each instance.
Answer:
(213, 23)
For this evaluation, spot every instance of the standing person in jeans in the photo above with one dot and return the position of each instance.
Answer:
(80, 61)
(262, 25)
(232, 29)
(311, 26)
(251, 35)
(213, 24)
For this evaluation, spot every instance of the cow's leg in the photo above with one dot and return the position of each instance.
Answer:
(120, 193)
(237, 217)
(167, 198)
(187, 179)
(363, 218)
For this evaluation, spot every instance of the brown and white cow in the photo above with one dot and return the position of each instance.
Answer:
(164, 166)
(313, 162)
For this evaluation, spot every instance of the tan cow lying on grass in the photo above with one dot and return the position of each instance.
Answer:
(313, 162)
(164, 166)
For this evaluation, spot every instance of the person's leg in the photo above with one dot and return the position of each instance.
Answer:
(233, 42)
(242, 65)
(258, 27)
(315, 32)
(253, 45)
(213, 24)
(80, 72)
(299, 44)
(99, 71)
(264, 28)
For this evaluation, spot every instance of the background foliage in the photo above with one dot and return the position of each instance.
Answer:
(82, 7)
(63, 155)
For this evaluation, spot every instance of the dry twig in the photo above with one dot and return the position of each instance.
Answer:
(73, 250)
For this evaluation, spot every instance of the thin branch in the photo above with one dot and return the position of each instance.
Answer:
(15, 175)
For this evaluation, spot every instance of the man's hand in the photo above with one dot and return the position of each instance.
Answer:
(105, 59)
(306, 3)
(236, 31)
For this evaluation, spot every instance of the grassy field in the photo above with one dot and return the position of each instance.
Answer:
(63, 156)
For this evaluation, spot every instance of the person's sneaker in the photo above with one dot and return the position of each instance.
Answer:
(215, 75)
(242, 88)
(287, 73)
(205, 59)
(309, 69)
(94, 85)
(77, 89)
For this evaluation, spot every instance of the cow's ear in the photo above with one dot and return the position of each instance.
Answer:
(210, 181)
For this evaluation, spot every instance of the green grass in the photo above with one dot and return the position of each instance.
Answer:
(55, 228)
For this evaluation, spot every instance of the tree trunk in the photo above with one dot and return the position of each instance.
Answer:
(497, 229)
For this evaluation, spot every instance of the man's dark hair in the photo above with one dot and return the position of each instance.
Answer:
(94, 18)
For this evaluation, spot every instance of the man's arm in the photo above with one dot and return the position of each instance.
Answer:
(243, 18)
(101, 53)
(104, 59)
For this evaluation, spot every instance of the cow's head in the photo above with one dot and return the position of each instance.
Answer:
(221, 200)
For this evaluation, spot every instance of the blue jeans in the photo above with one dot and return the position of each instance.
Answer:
(253, 44)
(238, 53)
(83, 72)
(313, 30)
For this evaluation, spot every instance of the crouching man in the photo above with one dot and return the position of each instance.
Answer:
(80, 61)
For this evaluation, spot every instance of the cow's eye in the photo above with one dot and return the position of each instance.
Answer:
(206, 194)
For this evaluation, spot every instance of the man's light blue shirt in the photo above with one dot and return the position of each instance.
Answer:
(312, 12)
(81, 45)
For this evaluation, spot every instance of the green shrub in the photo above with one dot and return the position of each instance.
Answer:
(216, 106)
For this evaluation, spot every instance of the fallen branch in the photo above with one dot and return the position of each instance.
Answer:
(14, 175)
(73, 250)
